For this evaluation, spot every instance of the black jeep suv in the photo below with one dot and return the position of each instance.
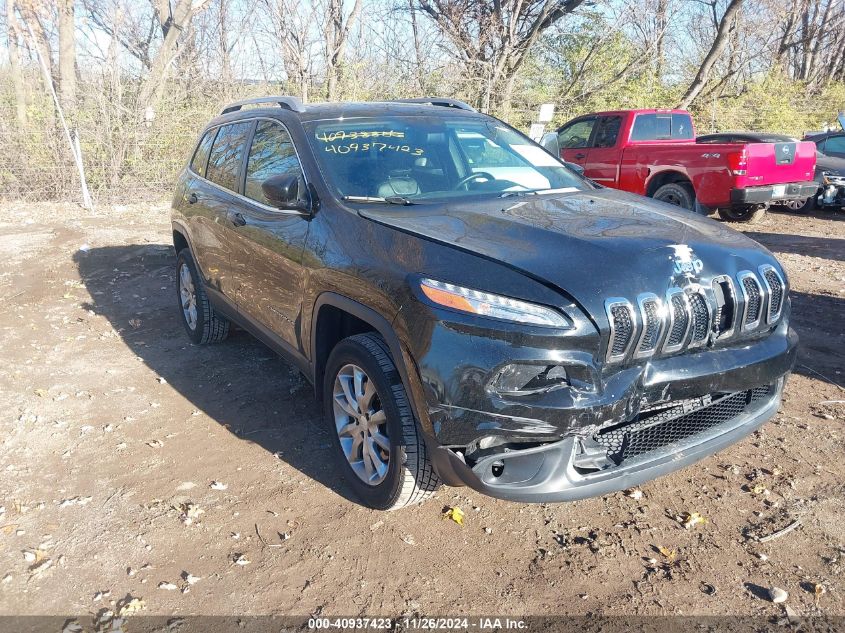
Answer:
(470, 310)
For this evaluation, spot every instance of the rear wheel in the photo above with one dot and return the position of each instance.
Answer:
(373, 429)
(680, 194)
(750, 214)
(202, 323)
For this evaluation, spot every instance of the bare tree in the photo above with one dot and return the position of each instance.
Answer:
(336, 29)
(291, 22)
(493, 38)
(175, 18)
(12, 36)
(720, 41)
(67, 54)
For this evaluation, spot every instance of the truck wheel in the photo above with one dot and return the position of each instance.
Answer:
(801, 206)
(375, 435)
(750, 215)
(202, 323)
(680, 194)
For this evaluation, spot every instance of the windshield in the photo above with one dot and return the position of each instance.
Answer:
(418, 158)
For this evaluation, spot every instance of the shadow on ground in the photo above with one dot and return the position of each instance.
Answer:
(239, 383)
(825, 247)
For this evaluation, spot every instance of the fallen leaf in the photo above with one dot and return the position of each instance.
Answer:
(690, 519)
(667, 553)
(454, 513)
(130, 606)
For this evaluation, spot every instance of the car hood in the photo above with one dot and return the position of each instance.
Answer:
(590, 245)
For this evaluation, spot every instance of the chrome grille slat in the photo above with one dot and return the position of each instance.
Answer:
(700, 326)
(623, 327)
(776, 290)
(753, 300)
(679, 320)
(651, 315)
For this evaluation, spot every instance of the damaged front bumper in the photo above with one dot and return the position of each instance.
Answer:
(558, 472)
(609, 429)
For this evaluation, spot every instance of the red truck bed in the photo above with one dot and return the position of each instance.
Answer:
(654, 153)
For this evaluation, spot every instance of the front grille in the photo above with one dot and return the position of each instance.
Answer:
(700, 317)
(776, 292)
(753, 299)
(694, 316)
(650, 309)
(675, 422)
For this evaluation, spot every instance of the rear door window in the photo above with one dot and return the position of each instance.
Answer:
(227, 152)
(659, 127)
(200, 159)
(576, 134)
(607, 131)
(271, 154)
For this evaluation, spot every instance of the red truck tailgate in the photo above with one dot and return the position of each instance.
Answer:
(776, 163)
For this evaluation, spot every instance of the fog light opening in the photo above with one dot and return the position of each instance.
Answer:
(497, 468)
(518, 379)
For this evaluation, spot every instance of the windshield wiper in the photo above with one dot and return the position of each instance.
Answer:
(401, 200)
(536, 192)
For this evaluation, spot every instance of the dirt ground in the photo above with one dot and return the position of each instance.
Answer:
(130, 458)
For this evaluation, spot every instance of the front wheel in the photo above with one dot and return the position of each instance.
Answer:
(375, 435)
(750, 214)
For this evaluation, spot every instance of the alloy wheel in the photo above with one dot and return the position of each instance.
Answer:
(361, 424)
(188, 296)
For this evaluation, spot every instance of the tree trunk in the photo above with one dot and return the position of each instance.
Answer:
(15, 63)
(172, 25)
(719, 43)
(336, 33)
(67, 56)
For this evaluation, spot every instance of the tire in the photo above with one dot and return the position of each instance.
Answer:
(801, 206)
(680, 194)
(208, 326)
(749, 215)
(409, 477)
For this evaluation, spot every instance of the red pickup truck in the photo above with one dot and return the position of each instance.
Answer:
(654, 153)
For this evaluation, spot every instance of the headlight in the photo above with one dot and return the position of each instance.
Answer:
(490, 305)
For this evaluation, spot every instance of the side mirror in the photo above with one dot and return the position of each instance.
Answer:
(549, 141)
(282, 192)
(578, 169)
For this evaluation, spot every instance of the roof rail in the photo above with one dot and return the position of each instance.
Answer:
(289, 103)
(439, 101)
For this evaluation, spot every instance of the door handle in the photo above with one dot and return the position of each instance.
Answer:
(192, 199)
(235, 218)
(580, 155)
